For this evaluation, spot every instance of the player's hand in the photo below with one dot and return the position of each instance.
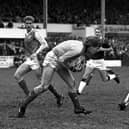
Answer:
(61, 60)
(105, 49)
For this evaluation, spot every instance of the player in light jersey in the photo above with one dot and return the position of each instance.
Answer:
(56, 60)
(96, 62)
(34, 43)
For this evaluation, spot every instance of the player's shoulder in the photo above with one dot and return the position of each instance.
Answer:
(71, 42)
(38, 33)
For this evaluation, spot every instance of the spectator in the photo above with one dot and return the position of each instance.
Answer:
(1, 24)
(10, 24)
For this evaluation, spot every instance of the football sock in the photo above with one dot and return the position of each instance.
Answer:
(23, 86)
(81, 86)
(30, 98)
(111, 76)
(53, 91)
(126, 100)
(74, 99)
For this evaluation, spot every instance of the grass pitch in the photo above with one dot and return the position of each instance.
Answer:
(43, 113)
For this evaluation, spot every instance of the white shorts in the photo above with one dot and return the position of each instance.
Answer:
(98, 64)
(33, 63)
(50, 59)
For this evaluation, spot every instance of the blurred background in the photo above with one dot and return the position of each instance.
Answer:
(69, 19)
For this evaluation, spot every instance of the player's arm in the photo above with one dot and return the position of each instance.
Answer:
(68, 55)
(105, 49)
(42, 41)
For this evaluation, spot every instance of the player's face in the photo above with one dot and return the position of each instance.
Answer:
(28, 25)
(99, 34)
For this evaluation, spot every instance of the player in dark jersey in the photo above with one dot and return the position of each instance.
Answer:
(97, 62)
(34, 43)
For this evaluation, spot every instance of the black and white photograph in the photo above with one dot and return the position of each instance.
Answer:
(64, 64)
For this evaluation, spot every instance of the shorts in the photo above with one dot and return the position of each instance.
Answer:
(50, 60)
(33, 63)
(98, 64)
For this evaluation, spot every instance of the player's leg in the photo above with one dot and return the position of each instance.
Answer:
(49, 66)
(101, 67)
(87, 76)
(19, 76)
(45, 82)
(125, 102)
(66, 75)
(51, 88)
(59, 97)
(113, 75)
(108, 75)
(38, 73)
(103, 74)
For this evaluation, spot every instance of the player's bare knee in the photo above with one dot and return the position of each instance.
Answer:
(18, 77)
(41, 88)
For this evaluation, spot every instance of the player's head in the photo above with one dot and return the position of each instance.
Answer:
(98, 33)
(92, 44)
(29, 20)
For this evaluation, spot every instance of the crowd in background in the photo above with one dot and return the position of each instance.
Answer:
(16, 47)
(68, 11)
(80, 12)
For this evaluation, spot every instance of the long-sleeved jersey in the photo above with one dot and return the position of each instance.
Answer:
(69, 49)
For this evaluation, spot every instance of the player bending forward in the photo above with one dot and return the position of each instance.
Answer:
(56, 61)
(34, 43)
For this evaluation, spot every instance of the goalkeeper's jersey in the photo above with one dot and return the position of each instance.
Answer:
(32, 41)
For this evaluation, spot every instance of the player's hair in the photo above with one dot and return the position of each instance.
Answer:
(31, 18)
(92, 41)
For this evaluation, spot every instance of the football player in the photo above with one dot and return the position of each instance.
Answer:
(34, 43)
(96, 62)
